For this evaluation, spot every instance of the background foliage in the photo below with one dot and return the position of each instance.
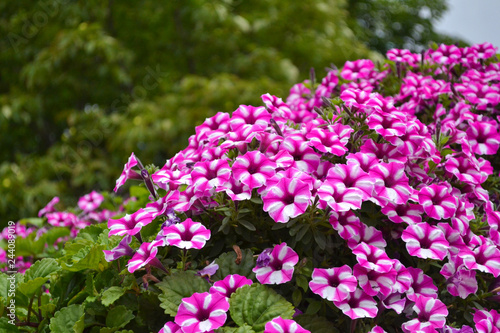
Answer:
(84, 83)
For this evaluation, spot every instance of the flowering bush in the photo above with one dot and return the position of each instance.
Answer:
(366, 203)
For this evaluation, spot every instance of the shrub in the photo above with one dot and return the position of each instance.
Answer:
(368, 202)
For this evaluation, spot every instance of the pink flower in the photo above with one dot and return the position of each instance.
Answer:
(247, 115)
(408, 213)
(327, 141)
(280, 325)
(128, 173)
(425, 241)
(279, 268)
(61, 219)
(394, 185)
(373, 282)
(431, 314)
(460, 280)
(358, 69)
(49, 208)
(90, 202)
(186, 235)
(484, 137)
(333, 284)
(229, 285)
(146, 254)
(253, 169)
(358, 305)
(484, 258)
(171, 327)
(287, 199)
(209, 174)
(437, 201)
(372, 257)
(422, 284)
(130, 224)
(487, 321)
(202, 312)
(338, 197)
(122, 249)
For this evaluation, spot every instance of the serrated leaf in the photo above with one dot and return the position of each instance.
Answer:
(118, 317)
(110, 295)
(91, 232)
(243, 329)
(257, 304)
(83, 255)
(42, 268)
(178, 286)
(227, 264)
(30, 287)
(28, 246)
(67, 320)
(316, 324)
(51, 236)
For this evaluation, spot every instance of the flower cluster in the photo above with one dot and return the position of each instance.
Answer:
(372, 192)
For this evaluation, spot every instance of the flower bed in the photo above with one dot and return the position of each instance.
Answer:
(368, 202)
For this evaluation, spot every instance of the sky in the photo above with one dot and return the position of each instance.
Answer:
(475, 21)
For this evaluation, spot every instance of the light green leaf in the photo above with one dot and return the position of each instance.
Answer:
(257, 304)
(227, 264)
(42, 268)
(110, 295)
(68, 320)
(30, 287)
(178, 286)
(118, 317)
(51, 236)
(84, 254)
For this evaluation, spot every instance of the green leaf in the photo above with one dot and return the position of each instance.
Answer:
(36, 221)
(178, 286)
(37, 275)
(84, 254)
(110, 295)
(313, 307)
(92, 232)
(247, 225)
(242, 329)
(51, 236)
(257, 304)
(227, 264)
(315, 324)
(7, 327)
(26, 247)
(68, 319)
(30, 287)
(118, 317)
(302, 282)
(42, 268)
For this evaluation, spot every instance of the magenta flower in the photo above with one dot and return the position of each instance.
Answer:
(280, 325)
(146, 254)
(127, 172)
(386, 124)
(210, 174)
(408, 213)
(202, 312)
(279, 267)
(358, 69)
(253, 169)
(347, 224)
(339, 197)
(358, 305)
(229, 285)
(484, 258)
(90, 202)
(422, 284)
(373, 258)
(130, 224)
(437, 201)
(287, 199)
(49, 208)
(122, 249)
(247, 115)
(484, 137)
(487, 321)
(460, 280)
(425, 241)
(327, 141)
(186, 235)
(394, 185)
(61, 219)
(373, 282)
(480, 94)
(352, 176)
(431, 314)
(171, 327)
(333, 284)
